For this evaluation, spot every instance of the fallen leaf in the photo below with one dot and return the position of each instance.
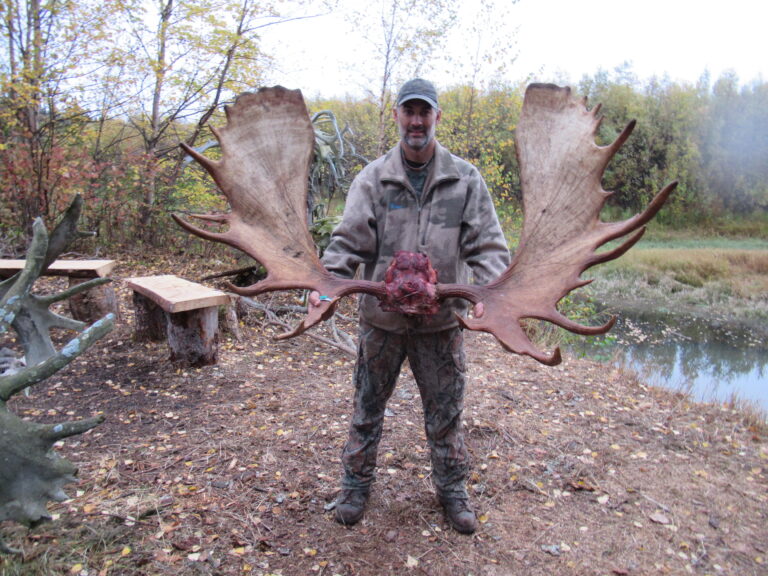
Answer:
(659, 518)
(552, 549)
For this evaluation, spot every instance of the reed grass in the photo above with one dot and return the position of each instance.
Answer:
(706, 275)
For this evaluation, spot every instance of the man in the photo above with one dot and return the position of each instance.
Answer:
(418, 197)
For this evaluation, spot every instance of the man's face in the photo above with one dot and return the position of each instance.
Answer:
(417, 121)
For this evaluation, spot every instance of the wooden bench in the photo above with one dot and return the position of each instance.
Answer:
(183, 312)
(87, 306)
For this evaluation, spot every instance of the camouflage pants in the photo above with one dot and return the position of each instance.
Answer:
(438, 364)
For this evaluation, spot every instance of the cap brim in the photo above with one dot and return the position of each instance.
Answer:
(410, 97)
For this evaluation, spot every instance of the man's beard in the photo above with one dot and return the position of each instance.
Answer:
(417, 142)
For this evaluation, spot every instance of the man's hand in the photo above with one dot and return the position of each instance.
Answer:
(314, 298)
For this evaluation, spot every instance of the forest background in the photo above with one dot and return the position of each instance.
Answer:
(97, 97)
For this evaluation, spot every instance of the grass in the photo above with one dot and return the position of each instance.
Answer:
(720, 278)
(739, 272)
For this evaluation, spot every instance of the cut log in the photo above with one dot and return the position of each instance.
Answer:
(93, 304)
(149, 321)
(183, 312)
(193, 336)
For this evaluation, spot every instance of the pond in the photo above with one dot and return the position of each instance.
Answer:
(713, 363)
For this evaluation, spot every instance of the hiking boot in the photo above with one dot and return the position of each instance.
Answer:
(350, 506)
(460, 514)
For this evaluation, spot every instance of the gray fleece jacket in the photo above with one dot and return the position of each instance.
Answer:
(454, 223)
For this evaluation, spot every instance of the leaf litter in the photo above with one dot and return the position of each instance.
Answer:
(234, 468)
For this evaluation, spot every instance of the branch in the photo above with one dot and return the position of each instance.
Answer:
(342, 340)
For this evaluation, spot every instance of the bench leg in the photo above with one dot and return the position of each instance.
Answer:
(93, 304)
(193, 336)
(150, 322)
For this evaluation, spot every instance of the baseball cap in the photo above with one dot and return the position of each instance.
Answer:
(418, 89)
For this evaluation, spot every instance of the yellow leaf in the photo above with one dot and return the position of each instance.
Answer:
(310, 552)
(76, 569)
(126, 551)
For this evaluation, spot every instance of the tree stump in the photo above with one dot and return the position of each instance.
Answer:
(193, 336)
(150, 322)
(93, 304)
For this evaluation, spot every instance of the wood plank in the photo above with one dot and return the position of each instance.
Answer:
(174, 294)
(71, 268)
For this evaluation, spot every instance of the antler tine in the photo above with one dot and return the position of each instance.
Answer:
(513, 338)
(656, 204)
(206, 234)
(619, 229)
(620, 250)
(576, 328)
(613, 147)
(203, 160)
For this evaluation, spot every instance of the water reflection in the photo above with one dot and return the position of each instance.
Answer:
(714, 363)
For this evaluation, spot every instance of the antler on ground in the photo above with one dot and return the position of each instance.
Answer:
(31, 472)
(561, 169)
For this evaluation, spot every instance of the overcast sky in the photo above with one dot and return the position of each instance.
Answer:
(549, 40)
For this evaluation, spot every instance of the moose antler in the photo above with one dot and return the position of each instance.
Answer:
(561, 169)
(267, 148)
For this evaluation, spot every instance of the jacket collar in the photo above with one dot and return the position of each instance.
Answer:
(444, 167)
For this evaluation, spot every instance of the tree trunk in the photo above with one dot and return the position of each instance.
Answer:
(193, 336)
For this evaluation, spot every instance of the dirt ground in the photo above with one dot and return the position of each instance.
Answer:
(233, 469)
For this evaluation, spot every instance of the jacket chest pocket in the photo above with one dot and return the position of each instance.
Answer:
(399, 222)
